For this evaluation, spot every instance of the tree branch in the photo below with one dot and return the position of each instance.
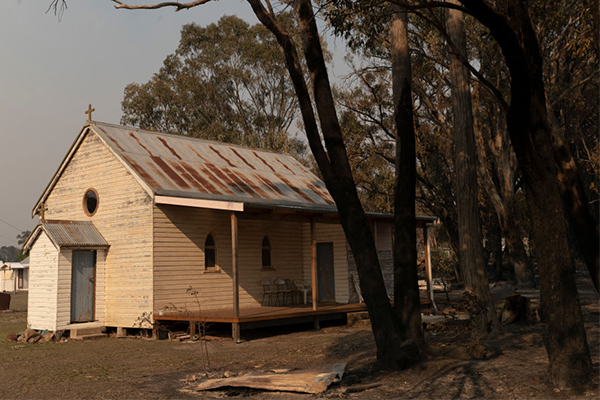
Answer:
(429, 5)
(177, 5)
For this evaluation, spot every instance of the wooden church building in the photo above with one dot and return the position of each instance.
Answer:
(132, 220)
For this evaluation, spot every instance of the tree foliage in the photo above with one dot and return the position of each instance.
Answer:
(225, 82)
(9, 253)
(13, 253)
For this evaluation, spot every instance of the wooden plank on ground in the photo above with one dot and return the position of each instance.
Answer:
(312, 381)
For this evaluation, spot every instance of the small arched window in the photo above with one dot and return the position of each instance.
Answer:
(210, 252)
(266, 254)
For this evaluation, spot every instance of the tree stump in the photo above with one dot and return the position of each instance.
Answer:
(516, 309)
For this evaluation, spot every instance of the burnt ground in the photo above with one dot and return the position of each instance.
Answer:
(514, 367)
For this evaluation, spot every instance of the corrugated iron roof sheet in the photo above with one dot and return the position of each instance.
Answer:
(189, 167)
(74, 234)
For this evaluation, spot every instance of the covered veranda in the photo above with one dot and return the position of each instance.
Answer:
(248, 317)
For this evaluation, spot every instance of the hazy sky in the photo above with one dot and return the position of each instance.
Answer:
(50, 71)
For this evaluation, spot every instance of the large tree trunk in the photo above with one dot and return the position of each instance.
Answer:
(501, 193)
(568, 352)
(407, 304)
(337, 175)
(581, 219)
(465, 164)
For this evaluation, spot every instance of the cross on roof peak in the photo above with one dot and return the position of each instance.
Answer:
(89, 112)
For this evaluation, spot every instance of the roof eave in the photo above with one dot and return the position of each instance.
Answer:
(283, 205)
(251, 202)
(32, 238)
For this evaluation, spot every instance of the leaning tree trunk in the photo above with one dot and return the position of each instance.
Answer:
(568, 351)
(337, 175)
(352, 217)
(407, 303)
(465, 164)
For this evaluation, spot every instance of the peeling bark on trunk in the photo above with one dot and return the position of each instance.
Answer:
(465, 163)
(407, 304)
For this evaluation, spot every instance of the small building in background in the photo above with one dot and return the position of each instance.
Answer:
(14, 276)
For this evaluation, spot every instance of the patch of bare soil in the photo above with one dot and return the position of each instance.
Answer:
(457, 365)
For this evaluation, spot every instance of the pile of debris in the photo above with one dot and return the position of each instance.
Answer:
(31, 336)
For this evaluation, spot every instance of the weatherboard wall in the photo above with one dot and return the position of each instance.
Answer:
(124, 217)
(43, 291)
(179, 237)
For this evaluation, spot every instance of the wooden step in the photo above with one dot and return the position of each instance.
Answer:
(82, 333)
(93, 336)
(360, 318)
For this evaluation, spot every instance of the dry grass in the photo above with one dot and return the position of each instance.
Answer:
(141, 368)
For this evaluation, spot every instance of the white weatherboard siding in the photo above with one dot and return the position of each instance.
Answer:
(285, 238)
(179, 236)
(63, 315)
(124, 218)
(43, 270)
(329, 233)
(7, 280)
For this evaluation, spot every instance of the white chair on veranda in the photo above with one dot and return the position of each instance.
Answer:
(303, 289)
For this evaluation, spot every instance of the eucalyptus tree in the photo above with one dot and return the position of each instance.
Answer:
(465, 162)
(568, 37)
(354, 21)
(225, 82)
(406, 289)
(527, 122)
(541, 162)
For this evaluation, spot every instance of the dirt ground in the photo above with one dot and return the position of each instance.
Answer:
(515, 366)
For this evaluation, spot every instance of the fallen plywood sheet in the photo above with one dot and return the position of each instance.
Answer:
(312, 381)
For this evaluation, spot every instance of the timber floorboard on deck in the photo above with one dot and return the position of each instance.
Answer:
(262, 313)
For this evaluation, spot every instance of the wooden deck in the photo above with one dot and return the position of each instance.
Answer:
(258, 314)
(256, 317)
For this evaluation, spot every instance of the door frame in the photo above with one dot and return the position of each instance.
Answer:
(20, 279)
(320, 281)
(95, 268)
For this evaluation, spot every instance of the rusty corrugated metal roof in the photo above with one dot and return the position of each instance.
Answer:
(188, 167)
(74, 234)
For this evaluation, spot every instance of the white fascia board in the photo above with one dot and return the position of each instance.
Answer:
(199, 203)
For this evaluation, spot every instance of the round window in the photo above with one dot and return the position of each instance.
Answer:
(90, 202)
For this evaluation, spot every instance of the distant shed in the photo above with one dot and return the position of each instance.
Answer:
(14, 276)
